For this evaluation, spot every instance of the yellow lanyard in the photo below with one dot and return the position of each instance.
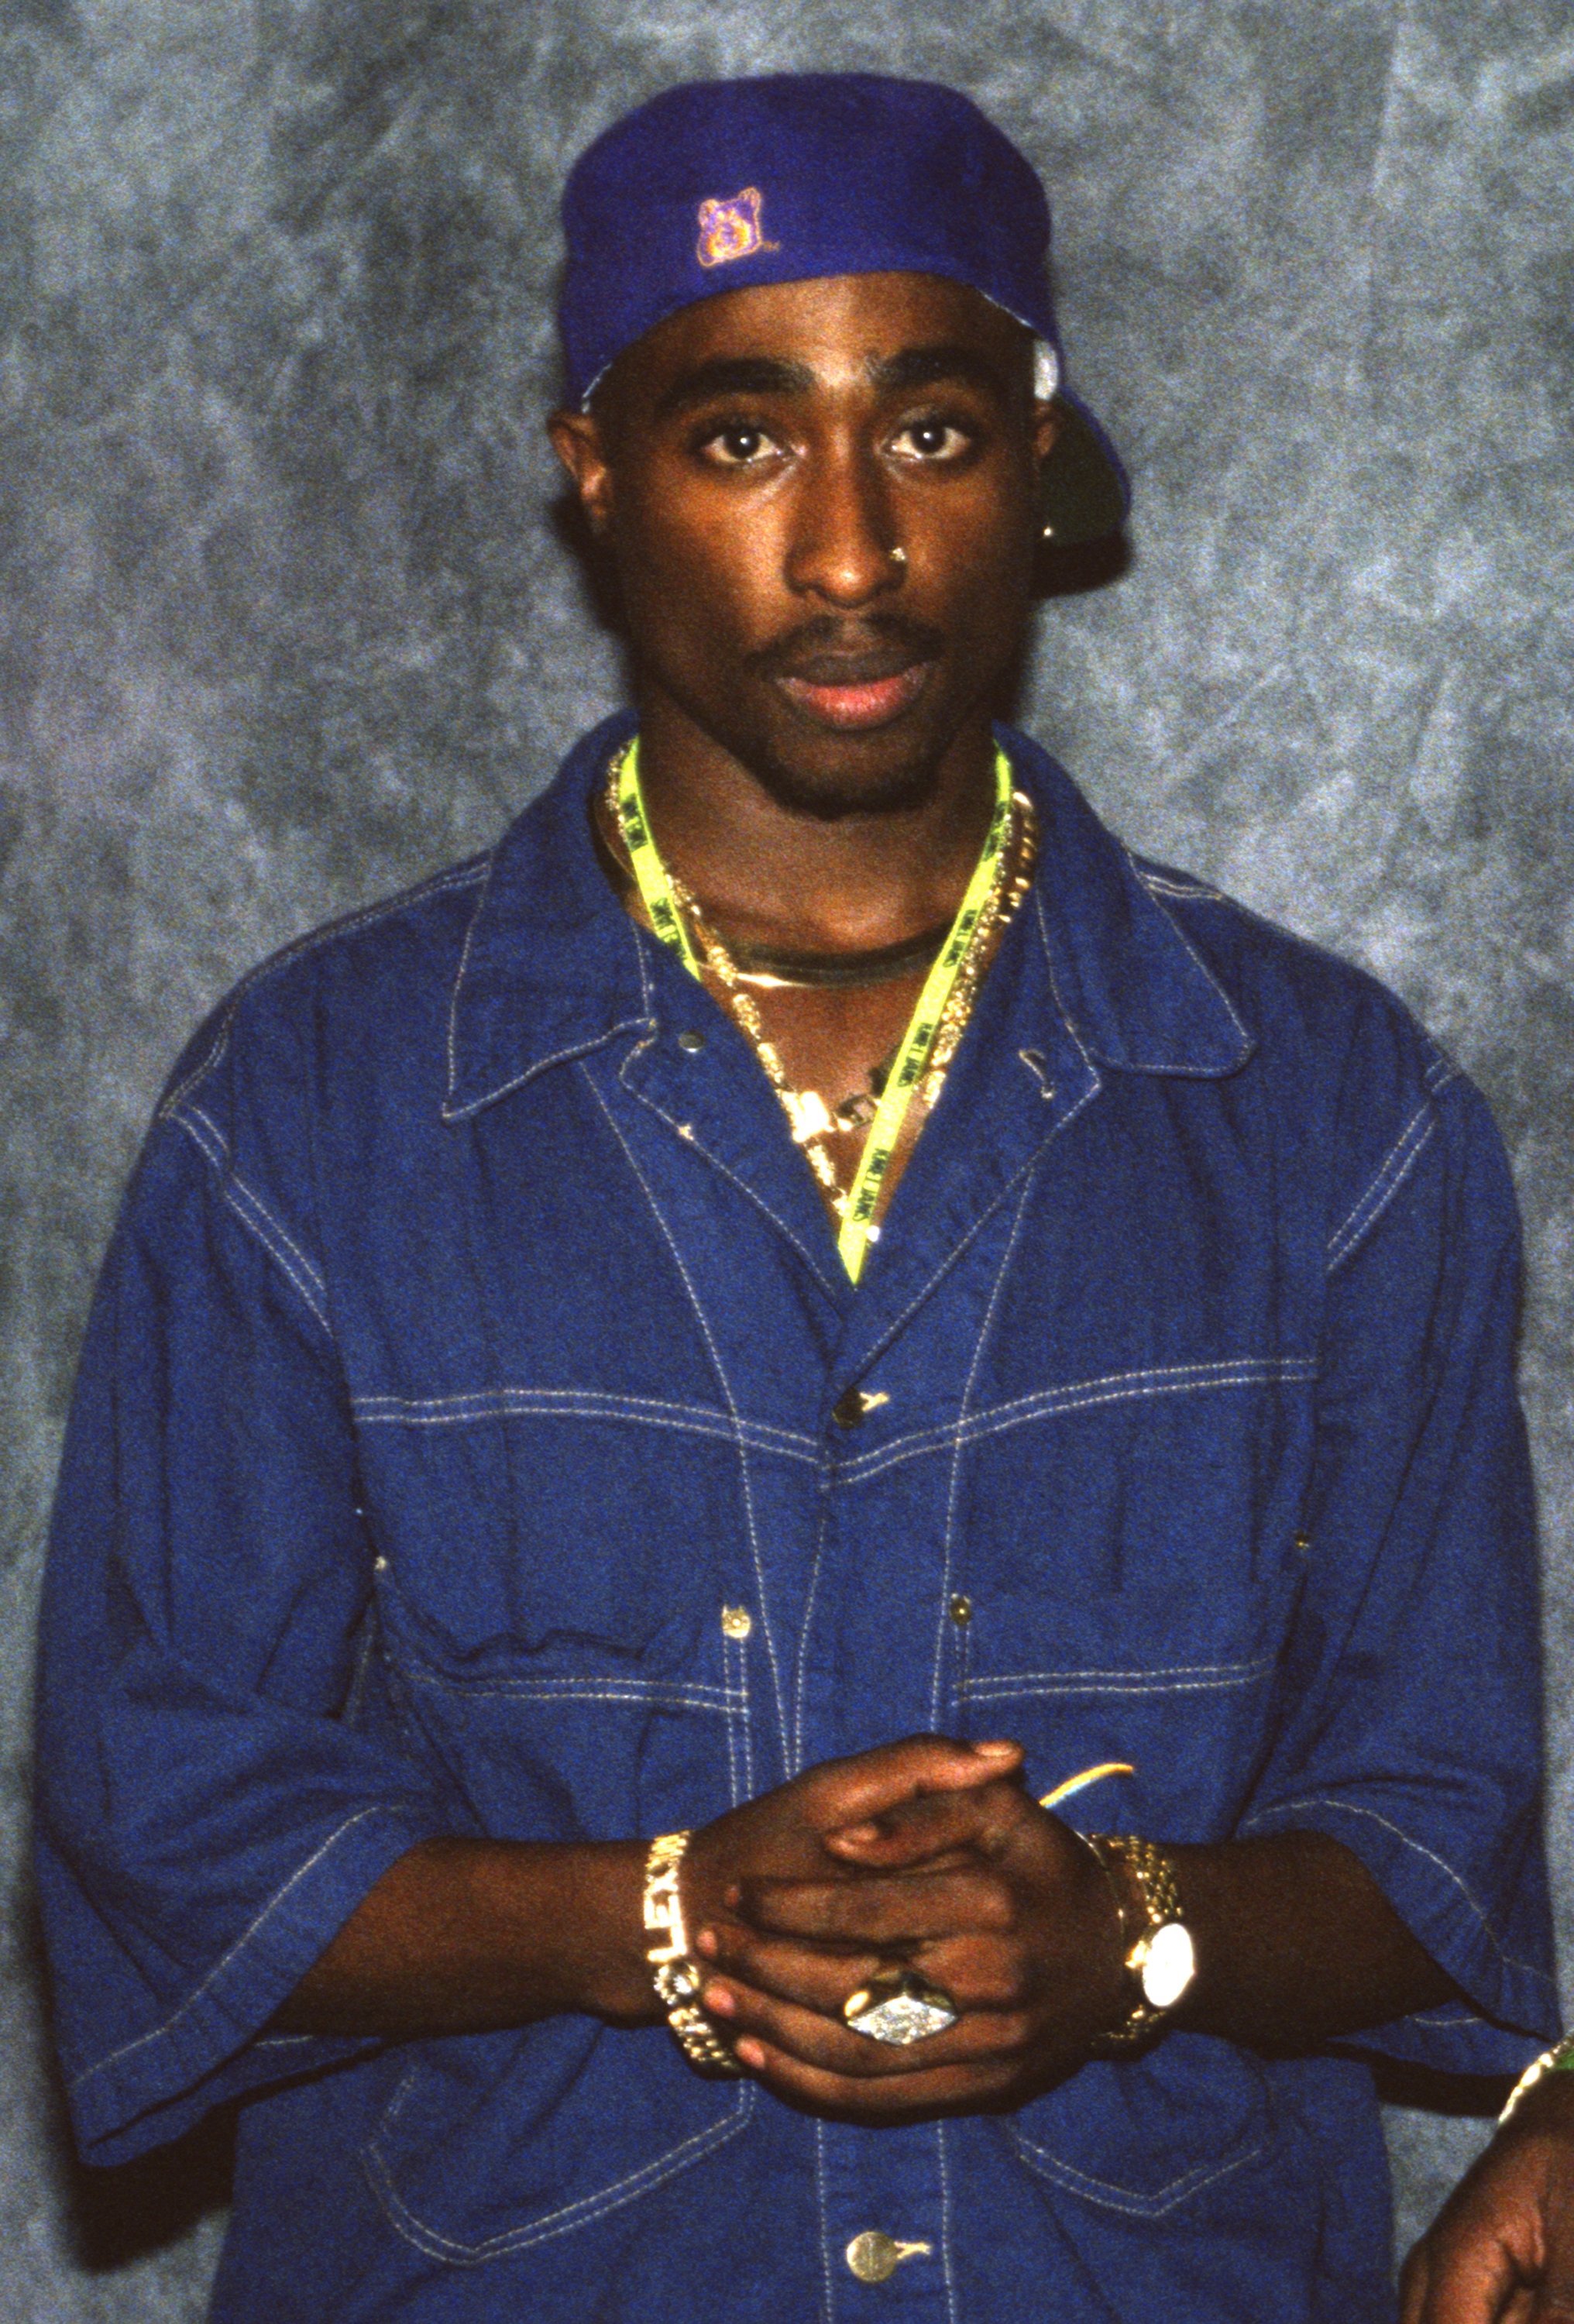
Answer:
(668, 921)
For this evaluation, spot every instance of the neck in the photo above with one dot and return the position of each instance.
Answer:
(776, 874)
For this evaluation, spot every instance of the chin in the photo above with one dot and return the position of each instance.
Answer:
(814, 771)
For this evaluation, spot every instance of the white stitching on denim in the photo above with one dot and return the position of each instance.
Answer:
(1111, 2198)
(458, 987)
(1185, 941)
(740, 1716)
(954, 1488)
(1177, 884)
(693, 1697)
(1069, 1685)
(504, 1403)
(726, 1386)
(238, 1198)
(698, 1145)
(822, 2199)
(1268, 1816)
(129, 2048)
(452, 1113)
(459, 875)
(811, 1595)
(1234, 1671)
(1051, 1404)
(308, 1266)
(1391, 1174)
(946, 2268)
(568, 2215)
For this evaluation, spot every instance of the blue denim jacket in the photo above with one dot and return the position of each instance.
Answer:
(454, 1451)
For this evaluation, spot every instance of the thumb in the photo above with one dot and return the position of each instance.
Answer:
(854, 1791)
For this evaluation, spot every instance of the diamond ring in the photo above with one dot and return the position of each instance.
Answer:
(898, 2006)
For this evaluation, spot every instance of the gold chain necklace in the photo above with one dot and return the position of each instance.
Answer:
(810, 1120)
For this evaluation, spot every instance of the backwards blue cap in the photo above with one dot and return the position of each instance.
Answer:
(720, 184)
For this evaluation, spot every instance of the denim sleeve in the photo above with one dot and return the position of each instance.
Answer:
(208, 1815)
(1411, 1722)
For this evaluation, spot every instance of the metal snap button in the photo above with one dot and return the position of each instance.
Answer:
(737, 1621)
(874, 2257)
(692, 1042)
(962, 1606)
(848, 1409)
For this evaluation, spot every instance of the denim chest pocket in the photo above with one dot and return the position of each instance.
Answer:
(581, 1739)
(566, 1624)
(1175, 1684)
(491, 2143)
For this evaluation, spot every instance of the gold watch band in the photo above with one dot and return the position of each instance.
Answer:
(1152, 1876)
(677, 1977)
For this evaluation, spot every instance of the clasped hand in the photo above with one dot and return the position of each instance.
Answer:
(931, 1855)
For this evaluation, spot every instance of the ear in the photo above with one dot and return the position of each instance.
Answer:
(579, 443)
(1046, 423)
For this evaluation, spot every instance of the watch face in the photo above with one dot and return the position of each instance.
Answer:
(1168, 1966)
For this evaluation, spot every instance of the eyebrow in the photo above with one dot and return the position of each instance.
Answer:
(734, 375)
(913, 367)
(932, 367)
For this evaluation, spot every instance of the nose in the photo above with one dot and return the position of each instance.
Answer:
(841, 548)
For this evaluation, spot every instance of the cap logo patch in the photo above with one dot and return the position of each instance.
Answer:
(731, 230)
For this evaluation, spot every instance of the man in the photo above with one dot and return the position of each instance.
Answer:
(806, 1245)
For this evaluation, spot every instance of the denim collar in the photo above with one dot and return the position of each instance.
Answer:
(553, 966)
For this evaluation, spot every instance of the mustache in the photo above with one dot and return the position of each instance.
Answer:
(829, 651)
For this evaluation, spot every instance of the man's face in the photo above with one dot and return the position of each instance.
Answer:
(753, 463)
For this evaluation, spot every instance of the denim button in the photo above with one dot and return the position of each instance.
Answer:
(848, 1411)
(692, 1042)
(874, 2257)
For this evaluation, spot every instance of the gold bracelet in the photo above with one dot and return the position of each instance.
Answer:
(1558, 2060)
(677, 1977)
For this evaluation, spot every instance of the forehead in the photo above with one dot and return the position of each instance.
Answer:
(834, 325)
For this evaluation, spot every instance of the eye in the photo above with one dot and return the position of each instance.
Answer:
(736, 444)
(933, 438)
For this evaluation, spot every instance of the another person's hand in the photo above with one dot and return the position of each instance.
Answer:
(1501, 2251)
(981, 1892)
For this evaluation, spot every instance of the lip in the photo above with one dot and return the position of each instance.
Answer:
(860, 704)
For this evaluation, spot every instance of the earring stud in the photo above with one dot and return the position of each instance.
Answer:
(898, 556)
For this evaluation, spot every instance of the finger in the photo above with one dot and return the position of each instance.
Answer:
(853, 1791)
(1463, 2277)
(914, 1908)
(936, 1825)
(980, 2037)
(944, 2090)
(1413, 2279)
(789, 1969)
(979, 1972)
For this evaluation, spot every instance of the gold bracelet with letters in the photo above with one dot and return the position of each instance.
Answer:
(677, 1977)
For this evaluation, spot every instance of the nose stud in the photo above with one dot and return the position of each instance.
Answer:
(898, 556)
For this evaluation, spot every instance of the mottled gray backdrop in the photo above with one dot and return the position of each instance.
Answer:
(285, 619)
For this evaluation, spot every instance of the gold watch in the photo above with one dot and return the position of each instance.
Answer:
(1161, 1961)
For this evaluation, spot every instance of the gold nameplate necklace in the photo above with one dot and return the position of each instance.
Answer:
(934, 1030)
